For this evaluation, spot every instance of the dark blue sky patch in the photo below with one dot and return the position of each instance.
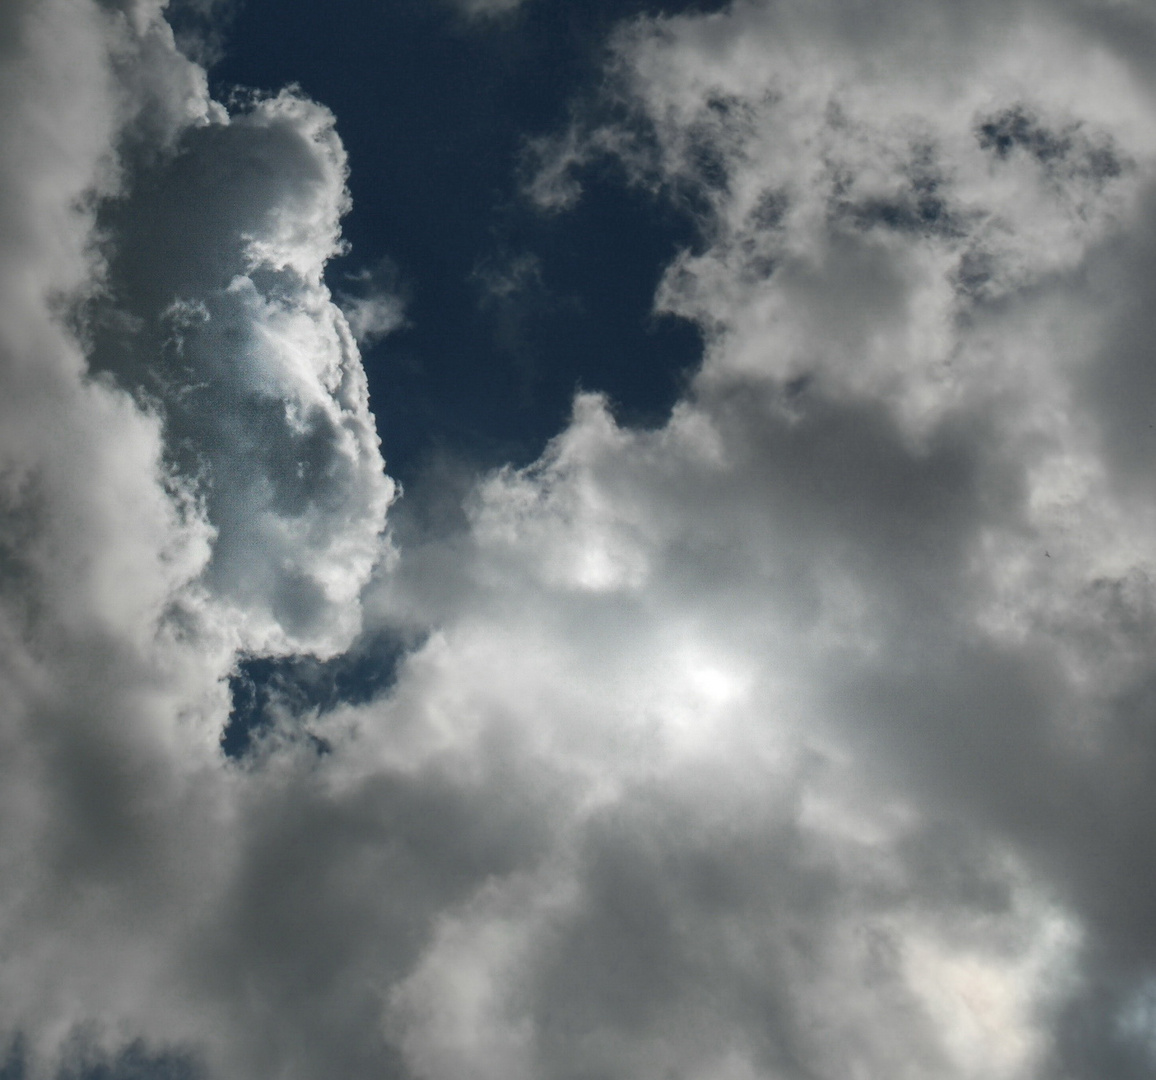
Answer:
(1016, 128)
(12, 1060)
(201, 27)
(265, 689)
(1069, 150)
(435, 111)
(137, 1063)
(134, 1062)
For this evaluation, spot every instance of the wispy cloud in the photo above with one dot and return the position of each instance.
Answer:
(373, 301)
(488, 9)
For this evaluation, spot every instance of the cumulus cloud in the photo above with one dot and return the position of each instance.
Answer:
(214, 312)
(806, 735)
(897, 467)
(189, 469)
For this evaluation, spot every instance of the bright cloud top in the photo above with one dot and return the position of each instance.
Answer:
(806, 735)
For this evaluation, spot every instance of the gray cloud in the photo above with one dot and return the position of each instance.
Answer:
(214, 311)
(808, 735)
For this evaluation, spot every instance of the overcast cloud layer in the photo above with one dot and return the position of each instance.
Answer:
(809, 735)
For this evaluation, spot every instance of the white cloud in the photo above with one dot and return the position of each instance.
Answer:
(373, 303)
(806, 735)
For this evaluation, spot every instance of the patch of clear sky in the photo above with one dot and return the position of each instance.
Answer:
(434, 111)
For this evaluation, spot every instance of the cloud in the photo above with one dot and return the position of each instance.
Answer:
(214, 311)
(488, 9)
(808, 734)
(189, 469)
(374, 306)
(888, 531)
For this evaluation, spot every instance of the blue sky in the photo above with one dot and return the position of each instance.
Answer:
(594, 541)
(437, 112)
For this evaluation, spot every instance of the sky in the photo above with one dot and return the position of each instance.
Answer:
(555, 541)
